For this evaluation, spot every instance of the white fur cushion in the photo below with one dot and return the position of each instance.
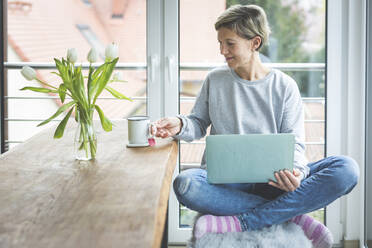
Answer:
(286, 235)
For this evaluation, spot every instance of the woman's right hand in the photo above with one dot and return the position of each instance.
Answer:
(167, 127)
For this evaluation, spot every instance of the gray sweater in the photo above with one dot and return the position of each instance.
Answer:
(232, 105)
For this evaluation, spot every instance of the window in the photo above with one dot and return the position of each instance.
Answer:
(35, 38)
(296, 46)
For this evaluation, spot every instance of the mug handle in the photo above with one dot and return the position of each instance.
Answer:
(150, 137)
(151, 127)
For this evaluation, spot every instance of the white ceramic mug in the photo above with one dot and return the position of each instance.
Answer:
(139, 131)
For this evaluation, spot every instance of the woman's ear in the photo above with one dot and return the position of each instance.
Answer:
(256, 43)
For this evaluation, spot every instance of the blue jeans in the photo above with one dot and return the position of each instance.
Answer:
(259, 205)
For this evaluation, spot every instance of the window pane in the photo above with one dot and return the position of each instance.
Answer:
(298, 36)
(36, 35)
(39, 35)
(297, 29)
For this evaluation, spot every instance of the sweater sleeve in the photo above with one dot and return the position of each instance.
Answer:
(194, 126)
(293, 122)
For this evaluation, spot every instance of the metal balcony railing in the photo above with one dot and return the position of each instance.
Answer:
(45, 65)
(281, 66)
(143, 66)
(183, 66)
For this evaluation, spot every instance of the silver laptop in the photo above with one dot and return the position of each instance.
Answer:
(250, 158)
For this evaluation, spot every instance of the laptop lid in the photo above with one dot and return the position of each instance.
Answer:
(250, 158)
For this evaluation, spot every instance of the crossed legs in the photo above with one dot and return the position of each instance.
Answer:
(260, 205)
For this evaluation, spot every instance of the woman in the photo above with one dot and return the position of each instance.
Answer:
(247, 97)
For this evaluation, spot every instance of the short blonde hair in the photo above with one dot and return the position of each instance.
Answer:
(247, 21)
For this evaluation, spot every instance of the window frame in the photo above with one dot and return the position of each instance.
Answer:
(345, 109)
(3, 56)
(367, 225)
(344, 96)
(333, 134)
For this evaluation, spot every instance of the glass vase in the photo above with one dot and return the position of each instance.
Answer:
(85, 143)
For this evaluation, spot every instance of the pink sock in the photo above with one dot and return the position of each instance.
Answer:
(216, 224)
(315, 231)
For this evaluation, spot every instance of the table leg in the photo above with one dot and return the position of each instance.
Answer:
(164, 241)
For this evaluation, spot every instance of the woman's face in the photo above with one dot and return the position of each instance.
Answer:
(238, 51)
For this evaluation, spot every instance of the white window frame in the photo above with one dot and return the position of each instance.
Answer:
(345, 99)
(163, 82)
(368, 149)
(162, 58)
(334, 114)
(344, 109)
(154, 62)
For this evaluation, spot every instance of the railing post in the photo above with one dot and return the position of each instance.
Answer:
(2, 71)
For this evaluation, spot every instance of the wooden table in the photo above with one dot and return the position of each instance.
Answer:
(48, 199)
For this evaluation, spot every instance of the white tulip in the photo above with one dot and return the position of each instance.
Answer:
(28, 73)
(111, 51)
(92, 55)
(118, 76)
(72, 55)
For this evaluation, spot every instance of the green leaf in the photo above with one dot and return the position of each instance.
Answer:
(76, 113)
(98, 70)
(76, 82)
(63, 72)
(117, 81)
(95, 79)
(106, 123)
(60, 67)
(121, 81)
(61, 127)
(62, 92)
(53, 72)
(59, 111)
(93, 87)
(58, 62)
(91, 70)
(117, 94)
(78, 89)
(105, 77)
(39, 89)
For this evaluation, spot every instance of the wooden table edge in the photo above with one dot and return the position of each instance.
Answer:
(164, 196)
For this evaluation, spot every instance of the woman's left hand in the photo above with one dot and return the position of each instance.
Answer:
(287, 181)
